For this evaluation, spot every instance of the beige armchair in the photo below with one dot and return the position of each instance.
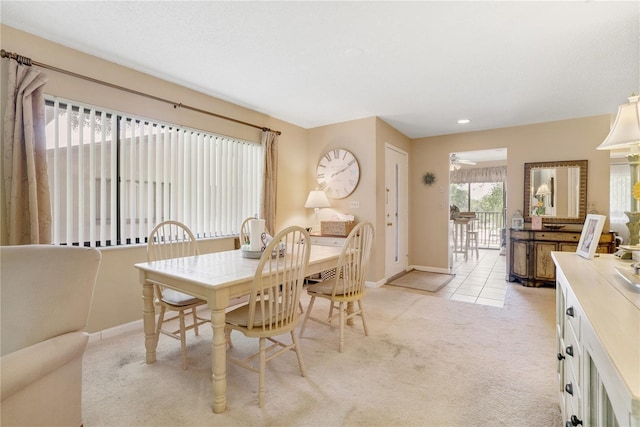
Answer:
(45, 296)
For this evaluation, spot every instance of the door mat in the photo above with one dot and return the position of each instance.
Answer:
(422, 280)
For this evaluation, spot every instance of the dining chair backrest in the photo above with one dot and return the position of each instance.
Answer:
(273, 303)
(353, 263)
(171, 239)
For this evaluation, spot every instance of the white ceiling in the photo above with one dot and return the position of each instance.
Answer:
(420, 66)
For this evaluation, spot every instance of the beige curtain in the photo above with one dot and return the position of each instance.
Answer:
(270, 180)
(493, 174)
(24, 149)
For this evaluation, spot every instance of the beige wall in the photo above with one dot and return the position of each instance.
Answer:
(366, 139)
(357, 136)
(563, 140)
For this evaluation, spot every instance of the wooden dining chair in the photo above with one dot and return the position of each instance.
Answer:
(272, 308)
(348, 286)
(169, 240)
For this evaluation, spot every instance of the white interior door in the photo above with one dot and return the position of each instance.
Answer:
(396, 210)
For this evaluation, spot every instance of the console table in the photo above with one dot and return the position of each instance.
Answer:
(530, 260)
(598, 342)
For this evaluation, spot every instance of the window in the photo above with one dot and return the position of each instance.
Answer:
(619, 197)
(113, 176)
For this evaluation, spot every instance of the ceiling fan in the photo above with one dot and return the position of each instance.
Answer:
(455, 162)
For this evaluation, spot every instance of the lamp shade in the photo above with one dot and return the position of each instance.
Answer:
(626, 128)
(317, 199)
(543, 190)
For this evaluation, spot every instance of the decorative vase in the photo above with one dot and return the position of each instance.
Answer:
(634, 227)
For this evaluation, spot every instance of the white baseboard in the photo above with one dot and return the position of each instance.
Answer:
(136, 325)
(115, 331)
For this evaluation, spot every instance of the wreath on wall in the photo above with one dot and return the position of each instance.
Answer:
(428, 179)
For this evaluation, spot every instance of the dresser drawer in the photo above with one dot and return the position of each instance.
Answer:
(572, 355)
(573, 405)
(328, 241)
(572, 314)
(520, 235)
(557, 236)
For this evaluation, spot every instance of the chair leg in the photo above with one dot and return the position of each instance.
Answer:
(294, 338)
(195, 321)
(263, 363)
(227, 333)
(364, 322)
(306, 316)
(342, 321)
(160, 322)
(300, 306)
(183, 340)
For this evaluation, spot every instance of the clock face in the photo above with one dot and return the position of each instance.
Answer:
(338, 173)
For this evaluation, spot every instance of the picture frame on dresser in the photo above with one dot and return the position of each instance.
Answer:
(517, 223)
(590, 235)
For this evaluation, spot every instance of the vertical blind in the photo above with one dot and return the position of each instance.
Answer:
(114, 176)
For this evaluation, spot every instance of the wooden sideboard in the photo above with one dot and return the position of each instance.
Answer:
(530, 260)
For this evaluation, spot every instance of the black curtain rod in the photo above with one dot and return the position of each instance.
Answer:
(27, 61)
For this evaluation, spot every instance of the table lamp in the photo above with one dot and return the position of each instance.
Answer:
(317, 199)
(624, 133)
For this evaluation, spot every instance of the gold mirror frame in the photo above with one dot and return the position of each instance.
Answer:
(582, 196)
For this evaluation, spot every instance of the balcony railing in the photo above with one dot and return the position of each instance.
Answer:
(490, 227)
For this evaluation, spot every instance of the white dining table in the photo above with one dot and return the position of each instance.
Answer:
(216, 278)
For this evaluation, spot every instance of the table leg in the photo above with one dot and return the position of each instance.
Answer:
(219, 361)
(149, 321)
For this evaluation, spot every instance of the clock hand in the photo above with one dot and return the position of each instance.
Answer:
(340, 171)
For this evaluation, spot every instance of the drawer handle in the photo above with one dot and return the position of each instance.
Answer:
(569, 389)
(575, 421)
(570, 350)
(560, 356)
(570, 311)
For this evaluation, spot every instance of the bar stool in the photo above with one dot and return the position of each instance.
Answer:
(460, 242)
(472, 237)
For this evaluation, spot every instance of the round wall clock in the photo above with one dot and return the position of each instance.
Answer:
(338, 173)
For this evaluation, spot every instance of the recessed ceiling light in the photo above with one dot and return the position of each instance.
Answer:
(464, 121)
(354, 51)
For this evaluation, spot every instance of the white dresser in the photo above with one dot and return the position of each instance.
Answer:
(598, 342)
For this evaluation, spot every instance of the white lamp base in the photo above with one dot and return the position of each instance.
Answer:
(634, 227)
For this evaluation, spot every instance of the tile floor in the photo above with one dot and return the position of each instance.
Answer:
(479, 280)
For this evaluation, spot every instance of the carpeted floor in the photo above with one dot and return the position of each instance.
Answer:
(422, 280)
(427, 362)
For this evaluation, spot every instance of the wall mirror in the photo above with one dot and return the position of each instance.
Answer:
(556, 191)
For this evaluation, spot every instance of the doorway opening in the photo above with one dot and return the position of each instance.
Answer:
(477, 186)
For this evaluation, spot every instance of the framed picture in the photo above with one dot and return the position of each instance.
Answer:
(517, 223)
(590, 235)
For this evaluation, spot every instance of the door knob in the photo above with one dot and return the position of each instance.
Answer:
(389, 224)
